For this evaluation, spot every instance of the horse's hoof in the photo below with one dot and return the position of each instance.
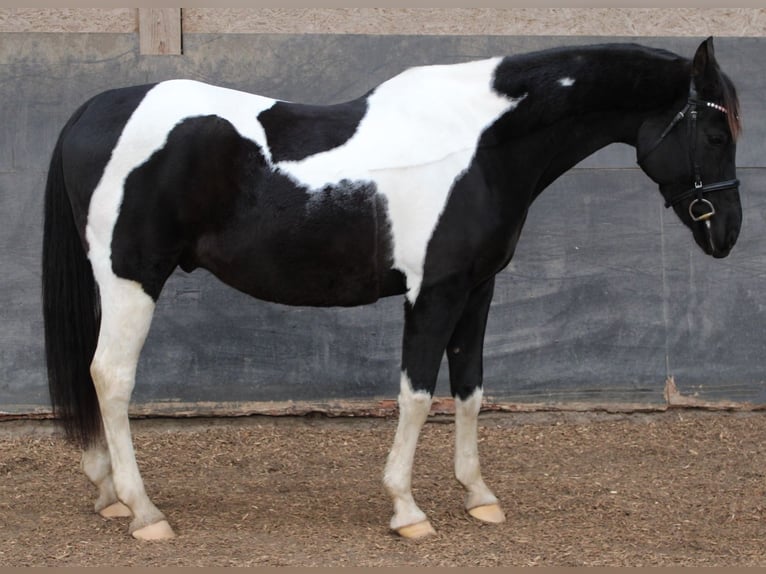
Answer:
(116, 510)
(488, 513)
(417, 530)
(158, 531)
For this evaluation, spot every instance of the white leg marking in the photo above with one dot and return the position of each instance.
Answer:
(413, 412)
(126, 316)
(467, 469)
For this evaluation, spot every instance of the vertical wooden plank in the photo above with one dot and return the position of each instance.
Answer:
(159, 30)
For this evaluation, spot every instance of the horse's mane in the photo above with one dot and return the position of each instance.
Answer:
(731, 103)
(518, 73)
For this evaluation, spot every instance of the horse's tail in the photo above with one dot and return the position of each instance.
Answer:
(71, 310)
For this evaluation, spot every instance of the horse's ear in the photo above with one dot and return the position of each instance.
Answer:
(704, 65)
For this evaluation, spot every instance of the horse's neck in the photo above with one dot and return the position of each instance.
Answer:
(578, 102)
(582, 137)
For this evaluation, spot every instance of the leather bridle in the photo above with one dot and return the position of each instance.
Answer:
(700, 189)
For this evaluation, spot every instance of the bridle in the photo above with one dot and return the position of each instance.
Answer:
(699, 189)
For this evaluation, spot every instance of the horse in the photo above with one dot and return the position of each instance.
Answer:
(419, 188)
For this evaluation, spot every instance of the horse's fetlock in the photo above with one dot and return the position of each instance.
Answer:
(104, 500)
(395, 483)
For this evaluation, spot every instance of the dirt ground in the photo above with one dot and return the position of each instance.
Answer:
(682, 487)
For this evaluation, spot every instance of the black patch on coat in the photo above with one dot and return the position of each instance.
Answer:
(209, 199)
(186, 188)
(297, 131)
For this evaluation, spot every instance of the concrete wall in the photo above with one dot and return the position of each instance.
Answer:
(606, 297)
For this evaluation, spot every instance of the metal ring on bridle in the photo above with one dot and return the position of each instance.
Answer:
(704, 216)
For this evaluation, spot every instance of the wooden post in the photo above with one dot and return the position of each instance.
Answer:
(159, 31)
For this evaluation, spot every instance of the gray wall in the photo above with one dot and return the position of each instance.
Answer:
(606, 297)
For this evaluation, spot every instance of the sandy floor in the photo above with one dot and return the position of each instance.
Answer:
(677, 488)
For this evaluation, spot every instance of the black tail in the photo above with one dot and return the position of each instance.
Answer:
(71, 312)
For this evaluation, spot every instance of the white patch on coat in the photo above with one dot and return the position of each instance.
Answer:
(413, 412)
(566, 82)
(418, 136)
(467, 468)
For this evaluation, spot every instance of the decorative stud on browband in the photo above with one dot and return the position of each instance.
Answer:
(718, 107)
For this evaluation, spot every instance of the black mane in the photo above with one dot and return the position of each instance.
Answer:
(607, 77)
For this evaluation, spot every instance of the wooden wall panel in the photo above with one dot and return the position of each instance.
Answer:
(159, 31)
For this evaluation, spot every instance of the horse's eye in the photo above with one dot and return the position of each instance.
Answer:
(716, 139)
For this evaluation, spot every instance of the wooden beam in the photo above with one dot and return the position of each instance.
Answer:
(159, 31)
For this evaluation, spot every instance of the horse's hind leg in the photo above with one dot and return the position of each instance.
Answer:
(464, 354)
(126, 315)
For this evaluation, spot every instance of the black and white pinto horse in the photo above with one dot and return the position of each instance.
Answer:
(421, 187)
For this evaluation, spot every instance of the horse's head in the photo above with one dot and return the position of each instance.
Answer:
(689, 151)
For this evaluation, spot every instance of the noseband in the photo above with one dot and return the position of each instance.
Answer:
(699, 189)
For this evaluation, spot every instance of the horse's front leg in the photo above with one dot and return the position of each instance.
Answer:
(427, 326)
(465, 355)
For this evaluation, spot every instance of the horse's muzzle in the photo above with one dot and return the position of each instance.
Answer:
(714, 241)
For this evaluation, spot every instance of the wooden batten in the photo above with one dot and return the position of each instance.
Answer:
(159, 31)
